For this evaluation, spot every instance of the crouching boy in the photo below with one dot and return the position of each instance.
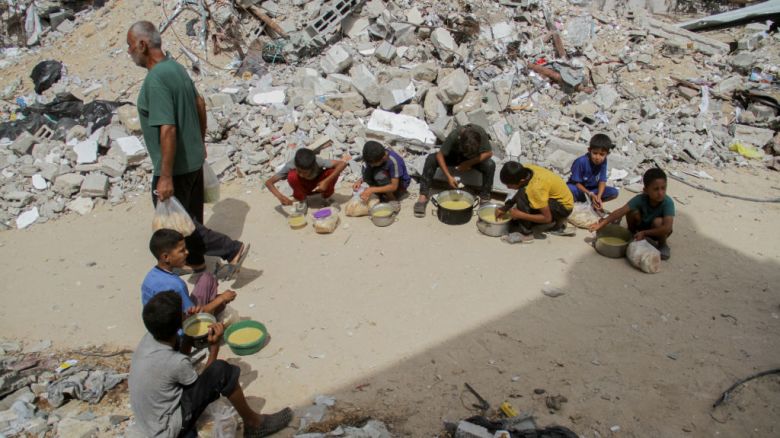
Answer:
(650, 215)
(542, 203)
(385, 173)
(166, 393)
(307, 174)
(589, 174)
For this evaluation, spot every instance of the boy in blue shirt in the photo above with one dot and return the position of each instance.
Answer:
(385, 173)
(649, 215)
(169, 249)
(589, 173)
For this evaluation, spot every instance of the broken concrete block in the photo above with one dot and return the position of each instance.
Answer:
(414, 16)
(756, 136)
(68, 184)
(365, 83)
(444, 43)
(743, 62)
(471, 101)
(27, 218)
(442, 127)
(385, 52)
(606, 96)
(413, 110)
(396, 92)
(514, 147)
(72, 427)
(453, 87)
(561, 160)
(95, 185)
(219, 101)
(704, 44)
(585, 110)
(355, 26)
(345, 102)
(398, 126)
(267, 97)
(23, 143)
(425, 72)
(132, 149)
(433, 106)
(556, 143)
(336, 60)
(470, 430)
(128, 117)
(39, 182)
(112, 167)
(600, 74)
(86, 150)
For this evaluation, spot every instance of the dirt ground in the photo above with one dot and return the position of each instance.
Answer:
(394, 320)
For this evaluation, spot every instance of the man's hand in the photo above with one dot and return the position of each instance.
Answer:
(463, 167)
(285, 200)
(164, 187)
(452, 181)
(215, 333)
(228, 296)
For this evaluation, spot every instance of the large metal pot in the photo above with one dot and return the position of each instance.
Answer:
(450, 216)
(612, 241)
(490, 228)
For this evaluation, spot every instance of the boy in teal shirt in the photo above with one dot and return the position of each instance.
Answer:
(650, 214)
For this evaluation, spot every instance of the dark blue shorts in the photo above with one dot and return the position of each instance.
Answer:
(609, 192)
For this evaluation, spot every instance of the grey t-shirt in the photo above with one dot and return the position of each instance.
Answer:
(157, 374)
(322, 163)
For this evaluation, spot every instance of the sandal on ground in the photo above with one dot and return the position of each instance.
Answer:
(419, 208)
(189, 270)
(271, 424)
(228, 271)
(565, 230)
(517, 238)
(665, 251)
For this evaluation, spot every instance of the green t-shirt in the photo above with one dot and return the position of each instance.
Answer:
(647, 212)
(451, 144)
(167, 97)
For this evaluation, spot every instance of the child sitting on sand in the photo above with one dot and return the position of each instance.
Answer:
(589, 174)
(166, 393)
(169, 249)
(649, 215)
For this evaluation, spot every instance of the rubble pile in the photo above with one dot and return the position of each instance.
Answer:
(541, 77)
(41, 395)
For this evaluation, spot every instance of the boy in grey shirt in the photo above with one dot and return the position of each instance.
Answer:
(167, 394)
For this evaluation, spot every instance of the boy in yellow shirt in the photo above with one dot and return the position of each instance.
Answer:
(542, 203)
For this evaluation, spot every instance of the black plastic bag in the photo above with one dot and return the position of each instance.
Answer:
(46, 74)
(63, 105)
(31, 124)
(99, 113)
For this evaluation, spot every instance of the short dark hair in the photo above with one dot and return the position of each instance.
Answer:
(652, 175)
(514, 172)
(305, 159)
(373, 151)
(469, 139)
(164, 240)
(601, 141)
(162, 315)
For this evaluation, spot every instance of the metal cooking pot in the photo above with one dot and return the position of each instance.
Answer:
(382, 221)
(199, 341)
(614, 251)
(454, 217)
(492, 229)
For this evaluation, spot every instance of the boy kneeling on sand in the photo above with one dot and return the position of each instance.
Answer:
(166, 393)
(307, 174)
(649, 215)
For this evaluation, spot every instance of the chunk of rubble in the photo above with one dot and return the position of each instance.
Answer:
(393, 126)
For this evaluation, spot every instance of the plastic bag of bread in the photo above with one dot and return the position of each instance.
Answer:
(644, 256)
(355, 207)
(583, 215)
(210, 185)
(326, 220)
(171, 214)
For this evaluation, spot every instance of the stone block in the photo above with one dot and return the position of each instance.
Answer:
(556, 143)
(396, 92)
(218, 101)
(128, 117)
(442, 127)
(345, 102)
(365, 83)
(398, 126)
(73, 428)
(336, 59)
(95, 185)
(444, 43)
(756, 136)
(425, 72)
(23, 143)
(433, 106)
(267, 97)
(385, 52)
(131, 148)
(469, 430)
(112, 167)
(453, 87)
(68, 184)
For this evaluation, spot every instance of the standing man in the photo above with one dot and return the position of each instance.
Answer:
(173, 120)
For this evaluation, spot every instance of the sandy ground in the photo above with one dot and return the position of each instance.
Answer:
(409, 313)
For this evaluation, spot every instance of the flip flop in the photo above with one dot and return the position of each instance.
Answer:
(419, 208)
(517, 238)
(228, 271)
(272, 423)
(564, 231)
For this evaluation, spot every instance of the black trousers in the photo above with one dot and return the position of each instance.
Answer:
(220, 378)
(487, 168)
(520, 201)
(188, 189)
